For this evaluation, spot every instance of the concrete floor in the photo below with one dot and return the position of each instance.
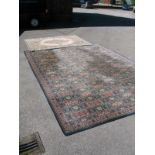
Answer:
(111, 28)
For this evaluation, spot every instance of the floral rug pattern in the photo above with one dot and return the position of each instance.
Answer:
(85, 86)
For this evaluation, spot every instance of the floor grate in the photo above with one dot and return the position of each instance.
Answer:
(31, 145)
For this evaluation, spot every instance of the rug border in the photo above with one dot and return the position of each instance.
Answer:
(99, 124)
(26, 52)
(42, 88)
(116, 53)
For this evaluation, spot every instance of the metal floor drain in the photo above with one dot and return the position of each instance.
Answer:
(31, 145)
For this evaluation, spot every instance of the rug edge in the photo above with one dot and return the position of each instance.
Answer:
(98, 124)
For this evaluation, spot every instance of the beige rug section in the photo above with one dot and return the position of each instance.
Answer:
(55, 42)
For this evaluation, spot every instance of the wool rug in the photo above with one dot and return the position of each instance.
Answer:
(55, 42)
(85, 86)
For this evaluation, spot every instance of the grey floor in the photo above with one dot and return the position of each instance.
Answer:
(111, 28)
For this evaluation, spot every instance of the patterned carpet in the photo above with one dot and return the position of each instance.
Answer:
(55, 42)
(85, 86)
